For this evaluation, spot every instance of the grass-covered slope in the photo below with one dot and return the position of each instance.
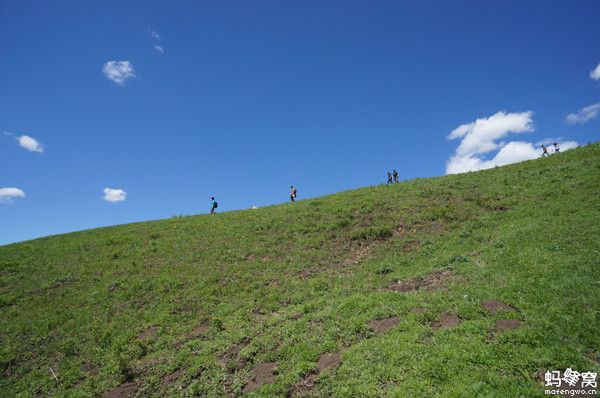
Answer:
(281, 300)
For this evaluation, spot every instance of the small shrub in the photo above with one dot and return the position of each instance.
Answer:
(385, 269)
(373, 233)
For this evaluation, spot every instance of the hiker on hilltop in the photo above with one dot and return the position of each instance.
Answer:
(293, 193)
(556, 148)
(213, 205)
(395, 175)
(544, 151)
(390, 180)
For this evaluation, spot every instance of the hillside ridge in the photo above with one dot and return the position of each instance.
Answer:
(466, 284)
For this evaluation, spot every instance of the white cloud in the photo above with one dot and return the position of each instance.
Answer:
(584, 114)
(118, 71)
(154, 34)
(114, 195)
(566, 145)
(160, 49)
(8, 194)
(595, 74)
(482, 136)
(514, 152)
(30, 143)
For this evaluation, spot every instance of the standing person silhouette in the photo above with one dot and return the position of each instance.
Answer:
(544, 151)
(395, 175)
(556, 148)
(293, 193)
(390, 180)
(213, 205)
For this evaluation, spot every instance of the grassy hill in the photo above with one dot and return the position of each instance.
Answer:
(461, 285)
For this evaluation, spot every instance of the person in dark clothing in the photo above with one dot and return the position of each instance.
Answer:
(395, 175)
(556, 148)
(544, 151)
(390, 180)
(293, 193)
(213, 205)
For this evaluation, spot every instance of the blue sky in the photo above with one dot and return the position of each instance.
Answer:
(248, 97)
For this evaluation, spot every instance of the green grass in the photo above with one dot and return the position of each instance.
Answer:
(290, 282)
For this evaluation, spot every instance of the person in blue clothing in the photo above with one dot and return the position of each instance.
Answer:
(214, 205)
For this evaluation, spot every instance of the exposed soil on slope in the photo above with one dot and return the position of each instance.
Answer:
(507, 324)
(149, 333)
(126, 390)
(328, 360)
(383, 325)
(446, 321)
(171, 378)
(433, 281)
(263, 373)
(495, 306)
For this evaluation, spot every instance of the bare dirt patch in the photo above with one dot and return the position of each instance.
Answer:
(171, 378)
(446, 321)
(328, 360)
(149, 333)
(263, 373)
(146, 363)
(495, 306)
(126, 390)
(231, 359)
(361, 253)
(418, 310)
(198, 331)
(508, 324)
(383, 325)
(411, 245)
(433, 281)
(304, 386)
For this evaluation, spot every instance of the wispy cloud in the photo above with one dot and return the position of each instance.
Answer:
(154, 35)
(118, 71)
(114, 195)
(595, 74)
(157, 46)
(30, 143)
(584, 114)
(8, 194)
(483, 136)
